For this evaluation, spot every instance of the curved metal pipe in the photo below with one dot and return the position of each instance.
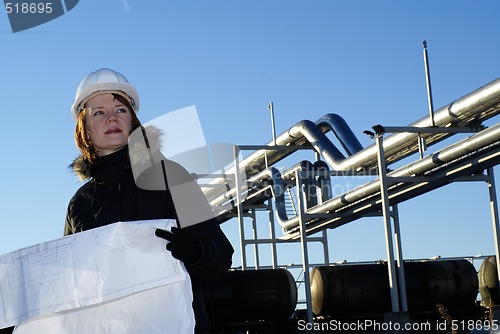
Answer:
(324, 180)
(271, 174)
(278, 187)
(301, 133)
(344, 134)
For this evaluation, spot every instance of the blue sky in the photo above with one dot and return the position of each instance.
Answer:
(360, 59)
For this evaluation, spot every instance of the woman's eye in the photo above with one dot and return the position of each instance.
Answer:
(97, 112)
(121, 110)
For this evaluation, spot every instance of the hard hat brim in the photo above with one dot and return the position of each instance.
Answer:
(124, 89)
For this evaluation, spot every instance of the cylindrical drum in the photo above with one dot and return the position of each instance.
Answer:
(358, 289)
(348, 289)
(269, 294)
(488, 282)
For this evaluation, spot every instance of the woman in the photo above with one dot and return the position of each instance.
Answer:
(105, 110)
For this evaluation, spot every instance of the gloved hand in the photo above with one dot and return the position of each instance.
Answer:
(183, 245)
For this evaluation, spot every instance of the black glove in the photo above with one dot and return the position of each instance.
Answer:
(183, 245)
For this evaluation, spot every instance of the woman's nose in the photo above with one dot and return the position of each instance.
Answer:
(111, 117)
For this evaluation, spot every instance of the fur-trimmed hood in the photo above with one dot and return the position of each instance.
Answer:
(144, 149)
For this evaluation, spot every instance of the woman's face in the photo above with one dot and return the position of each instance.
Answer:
(109, 123)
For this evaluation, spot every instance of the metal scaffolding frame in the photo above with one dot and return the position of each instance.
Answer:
(395, 258)
(250, 211)
(386, 209)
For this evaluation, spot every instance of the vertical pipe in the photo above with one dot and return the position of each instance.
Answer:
(393, 285)
(494, 217)
(428, 81)
(272, 233)
(324, 234)
(422, 146)
(271, 109)
(400, 260)
(299, 174)
(239, 208)
(255, 236)
(324, 240)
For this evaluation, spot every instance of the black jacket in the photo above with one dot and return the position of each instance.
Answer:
(111, 195)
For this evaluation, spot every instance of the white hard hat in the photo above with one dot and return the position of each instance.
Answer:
(103, 81)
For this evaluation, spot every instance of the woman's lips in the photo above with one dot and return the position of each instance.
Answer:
(113, 130)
